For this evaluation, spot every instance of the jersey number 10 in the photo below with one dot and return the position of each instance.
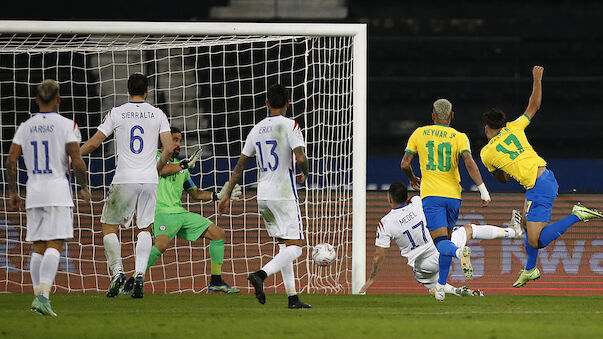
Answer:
(444, 154)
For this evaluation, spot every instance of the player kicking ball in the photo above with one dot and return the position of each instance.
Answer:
(406, 225)
(274, 141)
(509, 154)
(47, 141)
(171, 219)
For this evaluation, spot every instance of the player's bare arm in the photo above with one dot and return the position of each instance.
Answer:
(415, 181)
(377, 261)
(168, 149)
(501, 176)
(536, 96)
(201, 195)
(79, 168)
(234, 179)
(476, 176)
(302, 162)
(11, 175)
(93, 143)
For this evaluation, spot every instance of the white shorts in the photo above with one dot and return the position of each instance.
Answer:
(282, 218)
(427, 268)
(49, 223)
(125, 199)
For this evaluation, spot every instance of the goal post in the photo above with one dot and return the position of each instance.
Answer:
(325, 65)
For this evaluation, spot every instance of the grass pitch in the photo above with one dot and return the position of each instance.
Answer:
(333, 316)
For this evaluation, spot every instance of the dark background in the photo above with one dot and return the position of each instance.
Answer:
(478, 55)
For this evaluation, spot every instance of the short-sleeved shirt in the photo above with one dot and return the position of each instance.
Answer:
(169, 190)
(272, 141)
(43, 139)
(511, 152)
(406, 225)
(439, 148)
(137, 126)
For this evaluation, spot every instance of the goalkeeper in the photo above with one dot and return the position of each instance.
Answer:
(172, 219)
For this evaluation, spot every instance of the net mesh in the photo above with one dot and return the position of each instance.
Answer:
(213, 88)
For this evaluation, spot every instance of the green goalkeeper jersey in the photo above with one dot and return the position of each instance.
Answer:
(169, 191)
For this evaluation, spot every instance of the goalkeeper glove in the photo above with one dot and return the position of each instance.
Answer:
(234, 195)
(190, 162)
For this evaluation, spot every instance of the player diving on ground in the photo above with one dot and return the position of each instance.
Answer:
(406, 225)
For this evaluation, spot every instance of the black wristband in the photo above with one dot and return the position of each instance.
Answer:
(183, 164)
(214, 196)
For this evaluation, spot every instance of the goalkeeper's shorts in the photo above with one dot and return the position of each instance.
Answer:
(49, 223)
(125, 199)
(282, 218)
(188, 226)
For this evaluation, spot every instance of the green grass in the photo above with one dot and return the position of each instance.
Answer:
(335, 316)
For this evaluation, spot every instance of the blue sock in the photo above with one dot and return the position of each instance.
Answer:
(445, 246)
(445, 262)
(555, 230)
(532, 255)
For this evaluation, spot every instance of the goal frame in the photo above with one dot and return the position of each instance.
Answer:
(359, 85)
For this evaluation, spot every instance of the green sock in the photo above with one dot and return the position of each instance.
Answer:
(155, 254)
(216, 252)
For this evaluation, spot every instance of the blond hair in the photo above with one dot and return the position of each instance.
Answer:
(442, 109)
(48, 90)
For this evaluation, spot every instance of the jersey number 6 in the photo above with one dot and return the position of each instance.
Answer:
(136, 137)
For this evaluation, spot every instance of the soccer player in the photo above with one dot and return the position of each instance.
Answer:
(172, 219)
(47, 141)
(137, 127)
(509, 154)
(272, 141)
(405, 224)
(439, 147)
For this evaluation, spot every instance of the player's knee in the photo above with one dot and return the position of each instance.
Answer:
(220, 234)
(533, 242)
(162, 243)
(469, 230)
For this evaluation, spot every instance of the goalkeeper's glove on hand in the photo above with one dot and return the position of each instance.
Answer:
(234, 195)
(190, 162)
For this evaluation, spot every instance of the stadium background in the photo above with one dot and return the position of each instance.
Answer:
(477, 55)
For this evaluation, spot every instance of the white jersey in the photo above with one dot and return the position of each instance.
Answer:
(272, 141)
(43, 139)
(137, 126)
(406, 225)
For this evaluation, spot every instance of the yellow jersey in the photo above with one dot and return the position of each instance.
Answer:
(439, 148)
(511, 152)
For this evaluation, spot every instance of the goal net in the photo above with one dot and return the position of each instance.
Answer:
(213, 87)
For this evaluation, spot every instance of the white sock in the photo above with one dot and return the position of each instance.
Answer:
(459, 237)
(449, 289)
(48, 270)
(113, 253)
(143, 250)
(487, 232)
(34, 270)
(284, 257)
(288, 275)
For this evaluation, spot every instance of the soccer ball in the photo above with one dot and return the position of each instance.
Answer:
(323, 254)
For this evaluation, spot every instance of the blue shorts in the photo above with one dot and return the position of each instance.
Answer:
(541, 197)
(441, 212)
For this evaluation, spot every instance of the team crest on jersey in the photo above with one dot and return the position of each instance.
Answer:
(162, 228)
